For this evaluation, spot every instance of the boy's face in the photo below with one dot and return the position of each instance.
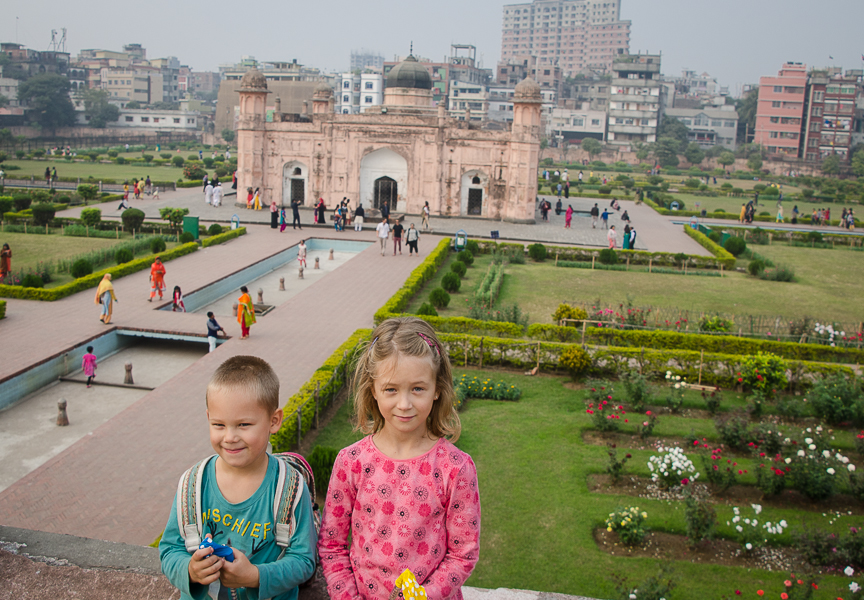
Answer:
(405, 393)
(239, 426)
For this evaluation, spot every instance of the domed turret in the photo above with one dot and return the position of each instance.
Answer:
(409, 74)
(527, 90)
(253, 81)
(322, 90)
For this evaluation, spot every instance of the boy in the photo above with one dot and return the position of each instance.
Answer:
(237, 494)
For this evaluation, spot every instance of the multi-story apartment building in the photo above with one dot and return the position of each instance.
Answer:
(363, 59)
(138, 83)
(780, 110)
(830, 111)
(572, 125)
(576, 35)
(358, 91)
(170, 70)
(635, 99)
(594, 92)
(708, 126)
(26, 62)
(513, 71)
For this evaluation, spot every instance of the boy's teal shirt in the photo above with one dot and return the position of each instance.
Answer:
(248, 526)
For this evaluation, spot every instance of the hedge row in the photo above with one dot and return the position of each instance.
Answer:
(420, 275)
(2, 309)
(723, 256)
(92, 280)
(717, 369)
(223, 237)
(331, 376)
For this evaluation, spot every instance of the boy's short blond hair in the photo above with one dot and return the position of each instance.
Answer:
(251, 374)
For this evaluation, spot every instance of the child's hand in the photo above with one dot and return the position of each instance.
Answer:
(204, 566)
(240, 573)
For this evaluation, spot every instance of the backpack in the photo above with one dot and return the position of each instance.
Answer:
(292, 466)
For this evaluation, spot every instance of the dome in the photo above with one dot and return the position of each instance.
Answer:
(527, 89)
(252, 80)
(322, 89)
(409, 74)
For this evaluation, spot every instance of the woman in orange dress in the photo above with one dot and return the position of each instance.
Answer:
(245, 313)
(5, 260)
(157, 279)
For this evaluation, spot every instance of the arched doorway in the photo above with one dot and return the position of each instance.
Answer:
(475, 187)
(383, 175)
(386, 190)
(294, 175)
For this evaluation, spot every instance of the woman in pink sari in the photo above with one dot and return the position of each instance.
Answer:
(568, 217)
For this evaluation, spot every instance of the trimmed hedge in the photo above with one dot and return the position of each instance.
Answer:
(723, 256)
(420, 275)
(91, 281)
(223, 237)
(2, 309)
(331, 383)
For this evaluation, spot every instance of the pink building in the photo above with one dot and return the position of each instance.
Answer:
(780, 112)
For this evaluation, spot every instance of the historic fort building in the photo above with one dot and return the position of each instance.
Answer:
(406, 151)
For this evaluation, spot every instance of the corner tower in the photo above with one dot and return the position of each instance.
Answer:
(250, 131)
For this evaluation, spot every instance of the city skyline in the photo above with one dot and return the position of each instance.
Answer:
(736, 42)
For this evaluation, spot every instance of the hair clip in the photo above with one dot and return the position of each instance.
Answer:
(373, 342)
(432, 343)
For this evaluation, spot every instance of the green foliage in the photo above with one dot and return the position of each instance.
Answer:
(31, 280)
(98, 109)
(187, 237)
(838, 400)
(726, 159)
(780, 273)
(228, 135)
(473, 247)
(701, 519)
(214, 229)
(47, 97)
(756, 267)
(592, 147)
(666, 151)
(735, 245)
(608, 256)
(165, 155)
(754, 161)
(724, 257)
(604, 189)
(466, 257)
(628, 522)
(636, 390)
(43, 213)
(575, 360)
(132, 219)
(487, 292)
(22, 202)
(321, 459)
(223, 237)
(91, 216)
(123, 255)
(765, 372)
(691, 183)
(458, 267)
(537, 252)
(715, 323)
(174, 216)
(88, 191)
(427, 309)
(565, 311)
(831, 165)
(474, 387)
(81, 268)
(194, 172)
(439, 298)
(451, 282)
(178, 161)
(157, 245)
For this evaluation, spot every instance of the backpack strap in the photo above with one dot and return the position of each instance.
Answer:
(189, 504)
(288, 494)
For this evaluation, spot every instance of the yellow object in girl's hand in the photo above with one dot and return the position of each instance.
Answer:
(411, 590)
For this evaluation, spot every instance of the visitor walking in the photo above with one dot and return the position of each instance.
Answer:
(157, 279)
(320, 215)
(217, 195)
(88, 365)
(568, 217)
(301, 253)
(397, 237)
(605, 218)
(256, 199)
(383, 231)
(358, 218)
(611, 237)
(385, 210)
(5, 260)
(412, 236)
(177, 304)
(625, 239)
(208, 193)
(595, 212)
(213, 329)
(245, 313)
(148, 185)
(632, 243)
(566, 189)
(47, 176)
(274, 214)
(106, 297)
(283, 221)
(249, 197)
(426, 211)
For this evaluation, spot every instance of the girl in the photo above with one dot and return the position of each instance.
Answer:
(177, 302)
(412, 237)
(249, 197)
(283, 221)
(301, 253)
(256, 201)
(409, 495)
(88, 364)
(426, 216)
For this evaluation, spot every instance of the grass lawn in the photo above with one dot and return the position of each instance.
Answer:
(28, 250)
(766, 204)
(825, 289)
(539, 514)
(96, 170)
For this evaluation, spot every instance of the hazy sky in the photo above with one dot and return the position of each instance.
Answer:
(733, 40)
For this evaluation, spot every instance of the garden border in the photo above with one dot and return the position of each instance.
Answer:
(223, 237)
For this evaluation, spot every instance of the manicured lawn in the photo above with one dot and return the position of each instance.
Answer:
(28, 250)
(766, 204)
(538, 512)
(98, 170)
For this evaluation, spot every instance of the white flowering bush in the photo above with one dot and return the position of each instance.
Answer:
(671, 467)
(628, 523)
(815, 469)
(753, 532)
(827, 333)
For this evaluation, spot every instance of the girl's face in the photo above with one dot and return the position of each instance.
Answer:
(405, 392)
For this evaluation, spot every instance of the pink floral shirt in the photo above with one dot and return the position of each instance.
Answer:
(421, 514)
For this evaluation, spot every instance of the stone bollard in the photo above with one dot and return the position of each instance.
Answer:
(260, 296)
(234, 309)
(128, 378)
(282, 281)
(62, 419)
(300, 274)
(331, 254)
(317, 266)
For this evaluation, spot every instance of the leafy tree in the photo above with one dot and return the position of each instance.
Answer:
(88, 192)
(666, 151)
(726, 159)
(6, 136)
(134, 104)
(98, 108)
(671, 127)
(47, 96)
(754, 161)
(746, 108)
(592, 147)
(4, 101)
(694, 154)
(228, 135)
(173, 215)
(544, 143)
(858, 163)
(642, 150)
(831, 165)
(166, 105)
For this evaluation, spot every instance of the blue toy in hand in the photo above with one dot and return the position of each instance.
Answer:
(218, 549)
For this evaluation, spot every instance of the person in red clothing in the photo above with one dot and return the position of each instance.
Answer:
(408, 493)
(157, 279)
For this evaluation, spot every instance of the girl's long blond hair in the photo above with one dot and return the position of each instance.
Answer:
(408, 336)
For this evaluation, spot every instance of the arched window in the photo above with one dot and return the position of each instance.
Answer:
(476, 180)
(297, 171)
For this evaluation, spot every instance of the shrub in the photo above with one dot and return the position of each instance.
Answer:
(439, 298)
(132, 218)
(157, 245)
(473, 247)
(81, 268)
(734, 430)
(715, 323)
(604, 189)
(814, 236)
(836, 399)
(691, 183)
(756, 267)
(88, 192)
(765, 372)
(451, 282)
(701, 520)
(166, 155)
(147, 158)
(716, 236)
(32, 280)
(43, 213)
(178, 161)
(458, 267)
(735, 246)
(466, 257)
(780, 273)
(616, 466)
(537, 252)
(608, 256)
(21, 202)
(565, 311)
(91, 216)
(123, 255)
(113, 153)
(186, 237)
(214, 229)
(628, 523)
(120, 160)
(322, 459)
(636, 390)
(427, 309)
(193, 172)
(6, 205)
(671, 468)
(575, 360)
